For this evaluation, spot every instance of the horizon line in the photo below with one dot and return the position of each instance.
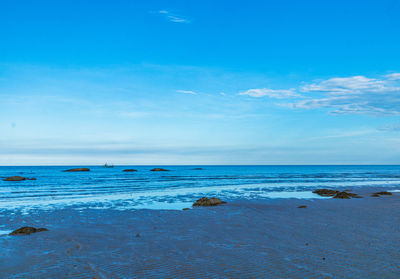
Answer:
(211, 165)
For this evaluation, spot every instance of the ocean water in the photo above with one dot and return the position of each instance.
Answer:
(179, 187)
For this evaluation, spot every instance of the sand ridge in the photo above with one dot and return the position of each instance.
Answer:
(243, 239)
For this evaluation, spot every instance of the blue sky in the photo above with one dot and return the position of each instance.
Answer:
(199, 82)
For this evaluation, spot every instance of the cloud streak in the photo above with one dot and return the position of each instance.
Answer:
(342, 95)
(394, 76)
(187, 92)
(173, 17)
(354, 95)
(348, 85)
(271, 93)
(394, 127)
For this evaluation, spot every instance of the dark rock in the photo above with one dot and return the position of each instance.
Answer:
(383, 193)
(27, 230)
(197, 169)
(302, 206)
(326, 192)
(345, 195)
(342, 195)
(158, 169)
(18, 178)
(77, 169)
(137, 235)
(186, 208)
(208, 202)
(335, 194)
(129, 170)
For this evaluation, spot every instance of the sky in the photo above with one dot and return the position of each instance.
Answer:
(199, 82)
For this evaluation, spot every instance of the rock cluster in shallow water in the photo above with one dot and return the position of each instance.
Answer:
(383, 193)
(326, 192)
(208, 202)
(27, 230)
(77, 169)
(158, 169)
(18, 178)
(335, 194)
(345, 195)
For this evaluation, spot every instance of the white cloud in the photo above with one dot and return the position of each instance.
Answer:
(394, 76)
(354, 85)
(352, 95)
(174, 17)
(186, 92)
(346, 105)
(271, 93)
(342, 95)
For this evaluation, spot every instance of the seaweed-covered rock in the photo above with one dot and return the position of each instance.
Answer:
(158, 169)
(77, 169)
(208, 202)
(302, 206)
(130, 170)
(345, 195)
(17, 178)
(27, 230)
(326, 192)
(335, 194)
(383, 193)
(342, 195)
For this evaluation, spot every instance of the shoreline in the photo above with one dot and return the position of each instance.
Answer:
(267, 238)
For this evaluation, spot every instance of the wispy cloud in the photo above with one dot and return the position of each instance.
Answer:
(345, 134)
(394, 76)
(395, 127)
(174, 17)
(347, 85)
(186, 92)
(354, 95)
(271, 93)
(342, 95)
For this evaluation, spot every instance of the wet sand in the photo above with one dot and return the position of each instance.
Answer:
(331, 238)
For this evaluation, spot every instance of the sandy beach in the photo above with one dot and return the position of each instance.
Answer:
(199, 139)
(269, 238)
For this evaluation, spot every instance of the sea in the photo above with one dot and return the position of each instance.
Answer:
(178, 187)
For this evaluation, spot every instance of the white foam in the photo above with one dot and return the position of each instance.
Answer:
(177, 198)
(4, 232)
